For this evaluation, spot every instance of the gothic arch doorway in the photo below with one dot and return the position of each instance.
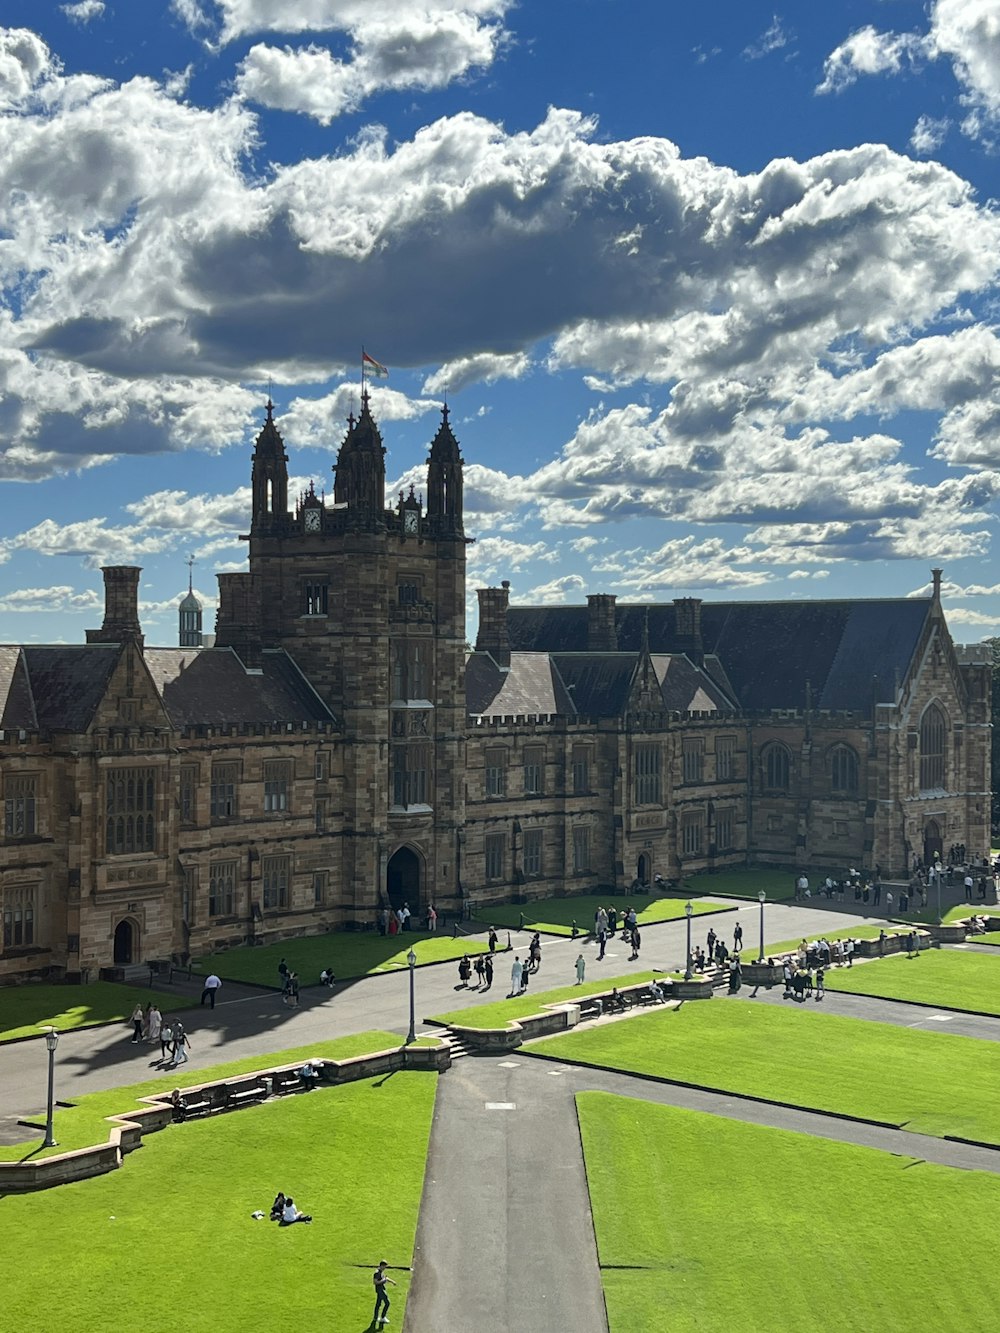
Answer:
(644, 868)
(126, 943)
(402, 880)
(933, 843)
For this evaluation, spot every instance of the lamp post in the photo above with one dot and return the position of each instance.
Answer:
(688, 912)
(762, 899)
(411, 958)
(51, 1042)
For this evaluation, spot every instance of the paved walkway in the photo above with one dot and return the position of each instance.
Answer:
(249, 1021)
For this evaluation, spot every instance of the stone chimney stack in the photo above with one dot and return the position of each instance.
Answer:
(121, 606)
(493, 637)
(687, 626)
(936, 581)
(237, 621)
(602, 635)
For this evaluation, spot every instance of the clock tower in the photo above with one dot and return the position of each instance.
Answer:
(370, 603)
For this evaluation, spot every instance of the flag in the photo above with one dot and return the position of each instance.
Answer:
(373, 367)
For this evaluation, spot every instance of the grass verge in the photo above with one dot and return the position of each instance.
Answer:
(84, 1123)
(931, 1082)
(168, 1243)
(683, 1234)
(947, 977)
(504, 1011)
(555, 916)
(24, 1009)
(349, 954)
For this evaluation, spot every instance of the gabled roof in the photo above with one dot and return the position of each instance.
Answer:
(210, 687)
(530, 688)
(768, 652)
(68, 682)
(17, 708)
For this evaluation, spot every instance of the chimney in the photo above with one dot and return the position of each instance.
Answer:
(687, 628)
(121, 606)
(602, 635)
(237, 621)
(493, 637)
(936, 578)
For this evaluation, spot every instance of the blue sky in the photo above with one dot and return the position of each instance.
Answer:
(712, 290)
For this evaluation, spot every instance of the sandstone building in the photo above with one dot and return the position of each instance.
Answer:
(338, 746)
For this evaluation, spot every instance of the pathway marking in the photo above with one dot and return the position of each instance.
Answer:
(501, 1106)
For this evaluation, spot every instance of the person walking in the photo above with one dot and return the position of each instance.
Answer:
(711, 942)
(602, 940)
(293, 989)
(488, 970)
(515, 976)
(180, 1045)
(888, 903)
(492, 939)
(737, 937)
(819, 988)
(581, 968)
(480, 966)
(535, 952)
(464, 971)
(166, 1040)
(381, 1280)
(432, 918)
(213, 985)
(137, 1019)
(154, 1022)
(636, 941)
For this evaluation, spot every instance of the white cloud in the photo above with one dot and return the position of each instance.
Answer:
(25, 63)
(548, 594)
(59, 599)
(90, 538)
(772, 39)
(928, 134)
(485, 368)
(868, 51)
(84, 11)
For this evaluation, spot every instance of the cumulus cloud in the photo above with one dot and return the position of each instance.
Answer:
(85, 11)
(928, 134)
(60, 598)
(558, 590)
(485, 368)
(964, 32)
(92, 539)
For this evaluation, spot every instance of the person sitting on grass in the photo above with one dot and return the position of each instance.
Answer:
(278, 1207)
(290, 1214)
(326, 978)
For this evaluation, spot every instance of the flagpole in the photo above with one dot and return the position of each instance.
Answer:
(362, 371)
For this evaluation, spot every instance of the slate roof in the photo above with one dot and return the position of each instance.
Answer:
(766, 651)
(17, 708)
(581, 684)
(209, 687)
(68, 682)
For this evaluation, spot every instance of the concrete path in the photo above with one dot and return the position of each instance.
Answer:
(505, 1239)
(249, 1021)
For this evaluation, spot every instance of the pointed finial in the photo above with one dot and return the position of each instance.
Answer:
(190, 565)
(270, 408)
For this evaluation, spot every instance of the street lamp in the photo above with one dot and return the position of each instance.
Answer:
(688, 912)
(762, 899)
(51, 1042)
(411, 958)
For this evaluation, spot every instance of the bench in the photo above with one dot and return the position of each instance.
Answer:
(286, 1080)
(193, 1106)
(244, 1094)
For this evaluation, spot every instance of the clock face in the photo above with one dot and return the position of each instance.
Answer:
(410, 520)
(311, 520)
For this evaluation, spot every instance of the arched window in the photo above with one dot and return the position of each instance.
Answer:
(776, 766)
(933, 729)
(843, 769)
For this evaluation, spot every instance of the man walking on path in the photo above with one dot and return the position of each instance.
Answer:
(711, 942)
(581, 967)
(213, 984)
(488, 970)
(380, 1280)
(737, 937)
(180, 1045)
(602, 939)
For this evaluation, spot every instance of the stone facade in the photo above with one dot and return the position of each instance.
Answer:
(338, 748)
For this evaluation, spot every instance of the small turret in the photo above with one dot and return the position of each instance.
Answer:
(360, 471)
(444, 481)
(269, 478)
(189, 617)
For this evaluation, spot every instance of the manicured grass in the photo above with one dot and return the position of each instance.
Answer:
(991, 937)
(499, 1014)
(168, 1243)
(83, 1123)
(348, 953)
(685, 1232)
(746, 882)
(946, 977)
(555, 916)
(24, 1009)
(932, 1082)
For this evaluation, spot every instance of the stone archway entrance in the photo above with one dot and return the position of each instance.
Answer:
(644, 868)
(933, 843)
(126, 944)
(402, 880)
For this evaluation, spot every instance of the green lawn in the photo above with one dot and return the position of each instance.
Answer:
(168, 1243)
(946, 977)
(348, 953)
(500, 1014)
(746, 882)
(24, 1009)
(555, 916)
(83, 1123)
(685, 1232)
(991, 937)
(932, 1082)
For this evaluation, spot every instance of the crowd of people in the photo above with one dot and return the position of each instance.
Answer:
(150, 1025)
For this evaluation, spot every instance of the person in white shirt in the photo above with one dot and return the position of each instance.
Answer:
(515, 976)
(290, 1213)
(213, 985)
